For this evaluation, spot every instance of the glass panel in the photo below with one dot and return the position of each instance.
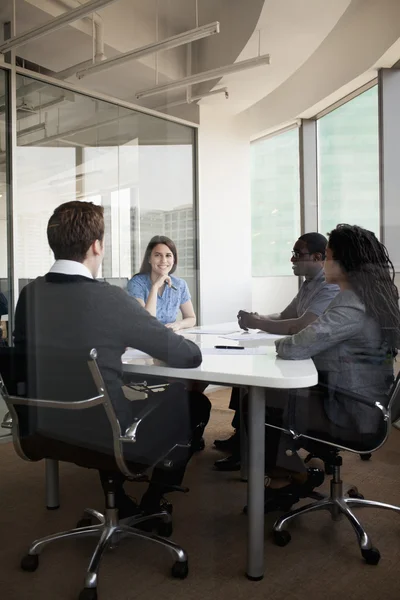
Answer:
(348, 164)
(275, 203)
(4, 269)
(139, 167)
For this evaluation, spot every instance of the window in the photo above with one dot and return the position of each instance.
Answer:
(348, 164)
(74, 147)
(275, 203)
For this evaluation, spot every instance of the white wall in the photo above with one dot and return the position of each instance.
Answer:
(224, 217)
(273, 294)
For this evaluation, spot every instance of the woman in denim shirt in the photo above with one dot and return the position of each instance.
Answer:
(161, 294)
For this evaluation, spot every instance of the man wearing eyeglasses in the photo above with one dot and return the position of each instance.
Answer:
(312, 299)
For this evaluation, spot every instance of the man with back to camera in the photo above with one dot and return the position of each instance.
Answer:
(312, 299)
(70, 310)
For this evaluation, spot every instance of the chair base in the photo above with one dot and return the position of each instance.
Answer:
(110, 530)
(338, 505)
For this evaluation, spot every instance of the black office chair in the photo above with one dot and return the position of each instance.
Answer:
(73, 420)
(340, 501)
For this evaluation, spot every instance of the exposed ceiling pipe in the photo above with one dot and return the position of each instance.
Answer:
(58, 23)
(73, 69)
(180, 39)
(94, 18)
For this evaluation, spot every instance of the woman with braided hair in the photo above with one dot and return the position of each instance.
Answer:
(353, 345)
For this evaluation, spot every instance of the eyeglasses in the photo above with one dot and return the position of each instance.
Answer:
(296, 254)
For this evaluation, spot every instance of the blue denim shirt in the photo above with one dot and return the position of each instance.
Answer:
(169, 303)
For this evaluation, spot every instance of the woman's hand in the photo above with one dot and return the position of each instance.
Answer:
(161, 279)
(174, 326)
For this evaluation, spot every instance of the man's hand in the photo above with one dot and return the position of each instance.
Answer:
(174, 326)
(248, 320)
(161, 279)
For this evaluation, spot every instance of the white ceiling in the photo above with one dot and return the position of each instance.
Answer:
(291, 31)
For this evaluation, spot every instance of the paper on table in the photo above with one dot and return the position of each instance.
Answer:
(204, 331)
(133, 353)
(254, 335)
(225, 351)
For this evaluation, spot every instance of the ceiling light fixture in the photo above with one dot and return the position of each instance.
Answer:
(206, 76)
(192, 99)
(65, 19)
(33, 129)
(173, 42)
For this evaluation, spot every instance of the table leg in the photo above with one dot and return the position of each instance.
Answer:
(52, 484)
(244, 449)
(255, 488)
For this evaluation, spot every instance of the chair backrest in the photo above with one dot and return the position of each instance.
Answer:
(60, 409)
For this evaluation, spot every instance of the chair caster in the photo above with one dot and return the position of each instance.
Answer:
(165, 530)
(282, 538)
(88, 594)
(180, 570)
(371, 556)
(354, 493)
(365, 456)
(167, 506)
(84, 522)
(30, 562)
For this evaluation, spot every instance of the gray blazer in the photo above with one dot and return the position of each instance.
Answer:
(351, 358)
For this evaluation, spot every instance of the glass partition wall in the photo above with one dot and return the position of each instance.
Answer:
(70, 146)
(4, 258)
(139, 167)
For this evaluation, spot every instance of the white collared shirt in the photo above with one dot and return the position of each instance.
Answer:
(70, 267)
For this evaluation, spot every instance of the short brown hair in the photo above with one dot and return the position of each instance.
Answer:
(72, 229)
(158, 239)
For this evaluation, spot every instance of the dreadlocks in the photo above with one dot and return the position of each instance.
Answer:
(371, 273)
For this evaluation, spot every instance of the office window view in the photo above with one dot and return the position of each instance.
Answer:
(348, 164)
(275, 202)
(139, 167)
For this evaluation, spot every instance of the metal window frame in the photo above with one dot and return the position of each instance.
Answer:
(335, 105)
(290, 127)
(11, 71)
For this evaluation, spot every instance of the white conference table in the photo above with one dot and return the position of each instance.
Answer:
(254, 372)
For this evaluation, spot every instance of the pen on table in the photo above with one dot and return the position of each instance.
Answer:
(229, 347)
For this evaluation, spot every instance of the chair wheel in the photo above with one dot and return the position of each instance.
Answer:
(30, 562)
(88, 594)
(371, 556)
(165, 529)
(355, 494)
(365, 456)
(282, 538)
(180, 570)
(84, 522)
